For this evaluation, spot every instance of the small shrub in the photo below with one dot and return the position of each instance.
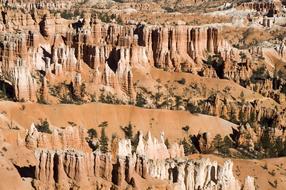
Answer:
(23, 107)
(193, 108)
(265, 167)
(140, 100)
(182, 81)
(41, 100)
(188, 148)
(186, 128)
(43, 126)
(273, 184)
(128, 131)
(272, 173)
(92, 133)
(73, 124)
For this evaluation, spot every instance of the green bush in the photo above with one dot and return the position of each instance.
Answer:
(103, 141)
(43, 126)
(182, 81)
(128, 131)
(92, 133)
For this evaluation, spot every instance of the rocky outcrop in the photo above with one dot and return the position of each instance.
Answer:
(58, 168)
(58, 139)
(24, 84)
(51, 5)
(249, 183)
(198, 174)
(154, 149)
(65, 161)
(262, 7)
(111, 51)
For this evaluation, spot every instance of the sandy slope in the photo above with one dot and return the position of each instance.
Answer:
(90, 115)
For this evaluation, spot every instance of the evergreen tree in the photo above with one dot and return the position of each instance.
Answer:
(193, 108)
(179, 101)
(283, 152)
(158, 94)
(128, 131)
(226, 145)
(104, 124)
(103, 138)
(44, 126)
(92, 133)
(278, 147)
(252, 118)
(217, 142)
(241, 116)
(265, 141)
(232, 116)
(242, 98)
(188, 148)
(103, 141)
(135, 141)
(140, 100)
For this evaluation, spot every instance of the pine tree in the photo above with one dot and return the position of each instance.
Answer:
(103, 138)
(283, 152)
(232, 116)
(241, 116)
(128, 131)
(140, 100)
(227, 144)
(135, 141)
(278, 147)
(242, 98)
(104, 124)
(252, 118)
(158, 94)
(179, 101)
(103, 141)
(44, 126)
(92, 133)
(217, 142)
(265, 141)
(188, 149)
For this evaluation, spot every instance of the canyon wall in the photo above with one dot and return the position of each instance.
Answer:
(65, 161)
(109, 50)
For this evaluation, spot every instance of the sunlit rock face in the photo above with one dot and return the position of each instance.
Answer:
(59, 167)
(57, 48)
(155, 149)
(47, 26)
(64, 156)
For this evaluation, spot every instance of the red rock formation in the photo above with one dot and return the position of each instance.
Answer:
(110, 50)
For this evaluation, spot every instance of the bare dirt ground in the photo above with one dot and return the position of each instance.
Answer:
(91, 115)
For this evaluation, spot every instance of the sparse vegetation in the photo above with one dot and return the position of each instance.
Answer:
(103, 141)
(140, 100)
(43, 126)
(188, 147)
(128, 130)
(186, 129)
(182, 81)
(92, 133)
